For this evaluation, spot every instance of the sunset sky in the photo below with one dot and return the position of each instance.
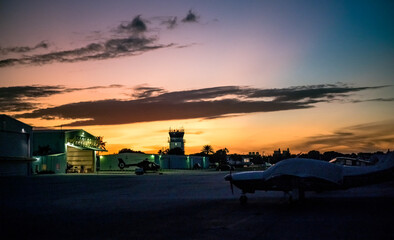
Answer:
(246, 75)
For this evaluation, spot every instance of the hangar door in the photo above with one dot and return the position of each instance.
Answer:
(82, 161)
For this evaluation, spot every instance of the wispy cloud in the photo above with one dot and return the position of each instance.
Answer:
(191, 17)
(23, 49)
(113, 48)
(155, 104)
(363, 137)
(145, 92)
(374, 100)
(137, 25)
(170, 22)
(130, 39)
(20, 98)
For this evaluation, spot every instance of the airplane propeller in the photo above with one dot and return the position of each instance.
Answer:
(229, 178)
(231, 182)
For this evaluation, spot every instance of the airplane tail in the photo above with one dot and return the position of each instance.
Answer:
(384, 161)
(382, 171)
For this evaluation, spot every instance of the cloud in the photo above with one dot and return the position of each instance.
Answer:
(109, 112)
(170, 22)
(137, 25)
(135, 43)
(23, 49)
(154, 104)
(374, 100)
(307, 93)
(112, 48)
(363, 137)
(191, 17)
(144, 92)
(16, 98)
(20, 98)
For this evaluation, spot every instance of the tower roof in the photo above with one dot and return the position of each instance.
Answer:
(176, 133)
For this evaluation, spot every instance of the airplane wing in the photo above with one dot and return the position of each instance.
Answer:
(289, 174)
(313, 175)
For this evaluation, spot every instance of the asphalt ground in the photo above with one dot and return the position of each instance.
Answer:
(184, 205)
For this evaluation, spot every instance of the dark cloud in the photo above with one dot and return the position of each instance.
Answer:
(145, 92)
(109, 112)
(20, 98)
(16, 98)
(363, 137)
(23, 49)
(170, 22)
(329, 92)
(209, 103)
(117, 46)
(374, 100)
(137, 25)
(112, 48)
(190, 17)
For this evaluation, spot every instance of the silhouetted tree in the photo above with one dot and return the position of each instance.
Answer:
(220, 156)
(101, 143)
(327, 156)
(128, 150)
(42, 151)
(207, 149)
(163, 151)
(314, 154)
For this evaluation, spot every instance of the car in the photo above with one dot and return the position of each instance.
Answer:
(224, 167)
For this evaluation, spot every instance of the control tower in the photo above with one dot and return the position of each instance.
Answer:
(176, 139)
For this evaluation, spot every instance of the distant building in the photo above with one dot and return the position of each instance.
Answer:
(15, 147)
(176, 139)
(62, 151)
(254, 153)
(111, 162)
(286, 153)
(278, 155)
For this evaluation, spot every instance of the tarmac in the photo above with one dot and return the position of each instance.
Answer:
(184, 205)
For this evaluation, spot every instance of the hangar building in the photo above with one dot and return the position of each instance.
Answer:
(111, 162)
(62, 151)
(15, 150)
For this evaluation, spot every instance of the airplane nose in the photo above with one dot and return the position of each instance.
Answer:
(228, 177)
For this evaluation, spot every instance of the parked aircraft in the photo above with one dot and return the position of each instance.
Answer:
(297, 175)
(145, 165)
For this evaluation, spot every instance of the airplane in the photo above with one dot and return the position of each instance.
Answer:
(145, 165)
(297, 175)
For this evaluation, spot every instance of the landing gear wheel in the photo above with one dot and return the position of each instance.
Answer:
(243, 199)
(121, 165)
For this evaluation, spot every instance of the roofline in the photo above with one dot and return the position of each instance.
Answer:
(57, 130)
(9, 117)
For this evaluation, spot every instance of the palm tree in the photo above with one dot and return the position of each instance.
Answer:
(207, 149)
(101, 143)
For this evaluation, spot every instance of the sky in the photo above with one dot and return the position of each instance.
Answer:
(249, 76)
